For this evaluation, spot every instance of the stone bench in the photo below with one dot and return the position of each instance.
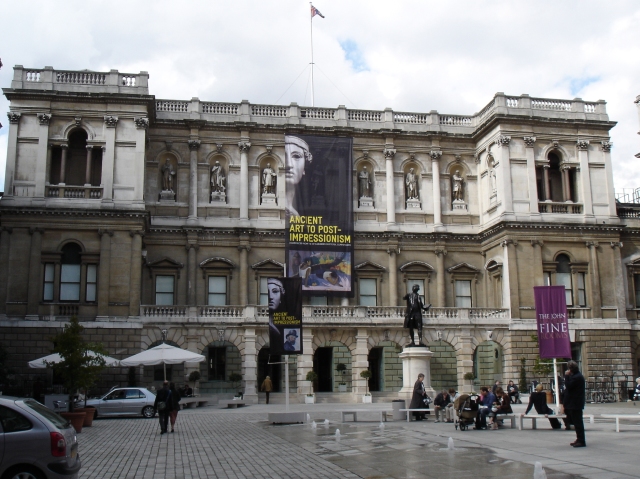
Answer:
(188, 402)
(231, 403)
(510, 416)
(408, 411)
(617, 417)
(354, 414)
(535, 417)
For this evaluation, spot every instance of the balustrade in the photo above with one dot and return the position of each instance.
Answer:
(269, 110)
(542, 104)
(172, 106)
(559, 208)
(318, 113)
(81, 78)
(456, 120)
(414, 118)
(361, 115)
(74, 192)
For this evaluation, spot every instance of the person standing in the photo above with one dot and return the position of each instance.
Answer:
(417, 400)
(574, 400)
(173, 404)
(161, 404)
(267, 387)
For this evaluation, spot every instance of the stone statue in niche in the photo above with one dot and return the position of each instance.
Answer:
(167, 176)
(364, 182)
(268, 180)
(458, 193)
(411, 181)
(218, 181)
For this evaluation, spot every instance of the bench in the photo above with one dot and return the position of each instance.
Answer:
(408, 411)
(510, 416)
(535, 417)
(231, 403)
(617, 417)
(354, 414)
(188, 402)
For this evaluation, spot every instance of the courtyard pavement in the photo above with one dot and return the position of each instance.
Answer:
(229, 443)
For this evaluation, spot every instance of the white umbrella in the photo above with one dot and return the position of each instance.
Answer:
(162, 354)
(56, 358)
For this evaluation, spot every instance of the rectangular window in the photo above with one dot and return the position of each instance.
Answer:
(564, 279)
(92, 283)
(49, 275)
(420, 283)
(217, 291)
(463, 294)
(263, 300)
(318, 300)
(217, 363)
(70, 282)
(582, 290)
(636, 283)
(164, 290)
(368, 293)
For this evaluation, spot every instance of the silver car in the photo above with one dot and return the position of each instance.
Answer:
(35, 442)
(124, 402)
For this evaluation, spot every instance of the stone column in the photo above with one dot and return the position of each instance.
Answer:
(63, 162)
(104, 272)
(546, 183)
(435, 173)
(538, 273)
(142, 123)
(389, 153)
(594, 275)
(360, 363)
(244, 147)
(87, 175)
(244, 295)
(393, 276)
(5, 250)
(611, 200)
(192, 276)
(618, 284)
(529, 142)
(464, 356)
(35, 267)
(135, 284)
(108, 158)
(585, 180)
(510, 278)
(566, 188)
(194, 145)
(440, 283)
(504, 172)
(43, 150)
(250, 364)
(12, 148)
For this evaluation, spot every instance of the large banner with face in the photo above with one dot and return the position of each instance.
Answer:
(319, 213)
(552, 322)
(285, 315)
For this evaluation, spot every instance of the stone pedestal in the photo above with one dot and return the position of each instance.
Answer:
(365, 202)
(268, 199)
(413, 204)
(218, 197)
(459, 206)
(415, 360)
(167, 195)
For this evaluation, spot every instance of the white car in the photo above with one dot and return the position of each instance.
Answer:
(132, 401)
(35, 442)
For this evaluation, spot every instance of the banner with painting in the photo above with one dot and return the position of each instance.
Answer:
(285, 315)
(319, 213)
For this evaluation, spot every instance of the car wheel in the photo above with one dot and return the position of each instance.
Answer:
(23, 472)
(148, 411)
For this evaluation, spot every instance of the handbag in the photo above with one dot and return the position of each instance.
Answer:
(161, 406)
(426, 400)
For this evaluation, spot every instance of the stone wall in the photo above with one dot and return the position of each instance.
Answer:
(444, 367)
(392, 364)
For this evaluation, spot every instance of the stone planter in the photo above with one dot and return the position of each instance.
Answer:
(310, 399)
(367, 399)
(90, 414)
(342, 388)
(75, 418)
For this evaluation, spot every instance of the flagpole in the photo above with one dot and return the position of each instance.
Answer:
(312, 92)
(555, 381)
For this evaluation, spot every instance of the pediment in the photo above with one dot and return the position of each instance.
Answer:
(267, 264)
(463, 268)
(416, 267)
(165, 262)
(217, 262)
(369, 266)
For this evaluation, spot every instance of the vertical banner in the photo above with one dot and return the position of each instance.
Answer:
(319, 213)
(552, 322)
(285, 315)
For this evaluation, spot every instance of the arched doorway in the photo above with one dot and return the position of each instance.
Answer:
(325, 363)
(266, 367)
(444, 366)
(385, 367)
(223, 359)
(488, 363)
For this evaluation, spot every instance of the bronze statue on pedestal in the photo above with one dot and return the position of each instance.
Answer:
(413, 315)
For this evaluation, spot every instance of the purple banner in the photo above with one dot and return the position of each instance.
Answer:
(553, 324)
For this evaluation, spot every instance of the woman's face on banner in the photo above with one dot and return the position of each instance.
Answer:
(294, 163)
(275, 294)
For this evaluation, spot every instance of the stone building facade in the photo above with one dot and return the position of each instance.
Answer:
(140, 215)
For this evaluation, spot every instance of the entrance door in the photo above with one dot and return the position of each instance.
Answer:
(322, 361)
(272, 370)
(375, 366)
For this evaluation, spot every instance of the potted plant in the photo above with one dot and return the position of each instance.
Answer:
(312, 377)
(235, 379)
(342, 386)
(81, 364)
(194, 377)
(366, 375)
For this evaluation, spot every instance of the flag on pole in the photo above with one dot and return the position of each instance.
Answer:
(315, 11)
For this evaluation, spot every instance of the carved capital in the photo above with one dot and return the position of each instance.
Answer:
(14, 117)
(435, 154)
(44, 118)
(440, 251)
(102, 232)
(8, 229)
(89, 147)
(244, 146)
(503, 140)
(142, 123)
(33, 230)
(476, 159)
(244, 246)
(188, 246)
(64, 146)
(393, 250)
(565, 166)
(592, 244)
(606, 145)
(582, 144)
(616, 244)
(194, 145)
(132, 233)
(508, 242)
(529, 141)
(110, 121)
(537, 242)
(389, 153)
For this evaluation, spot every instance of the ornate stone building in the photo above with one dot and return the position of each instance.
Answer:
(141, 215)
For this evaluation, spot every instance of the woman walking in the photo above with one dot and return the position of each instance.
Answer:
(173, 405)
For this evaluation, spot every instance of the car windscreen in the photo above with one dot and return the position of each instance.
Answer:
(56, 420)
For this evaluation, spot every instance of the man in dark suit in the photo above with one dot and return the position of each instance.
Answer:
(574, 400)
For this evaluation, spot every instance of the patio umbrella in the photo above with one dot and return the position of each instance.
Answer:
(162, 354)
(56, 358)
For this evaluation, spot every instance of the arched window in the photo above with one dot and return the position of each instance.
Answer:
(556, 180)
(70, 273)
(75, 162)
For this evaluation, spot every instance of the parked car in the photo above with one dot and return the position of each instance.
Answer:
(35, 442)
(124, 402)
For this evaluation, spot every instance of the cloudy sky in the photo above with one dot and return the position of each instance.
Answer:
(450, 56)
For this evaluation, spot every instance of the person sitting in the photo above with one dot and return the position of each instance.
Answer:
(485, 403)
(502, 405)
(440, 404)
(513, 392)
(450, 412)
(538, 399)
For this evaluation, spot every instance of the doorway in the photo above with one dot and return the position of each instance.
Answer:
(376, 368)
(322, 365)
(274, 371)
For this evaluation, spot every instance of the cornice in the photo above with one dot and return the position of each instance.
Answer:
(73, 212)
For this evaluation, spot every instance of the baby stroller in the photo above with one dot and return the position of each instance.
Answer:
(466, 407)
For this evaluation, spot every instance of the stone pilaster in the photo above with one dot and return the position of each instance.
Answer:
(136, 272)
(12, 148)
(63, 162)
(194, 146)
(87, 175)
(244, 147)
(502, 156)
(618, 285)
(305, 361)
(511, 292)
(393, 276)
(35, 267)
(244, 296)
(611, 200)
(435, 173)
(249, 365)
(43, 148)
(440, 283)
(538, 273)
(389, 153)
(191, 274)
(585, 182)
(594, 275)
(360, 363)
(5, 250)
(464, 356)
(530, 142)
(108, 158)
(104, 272)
